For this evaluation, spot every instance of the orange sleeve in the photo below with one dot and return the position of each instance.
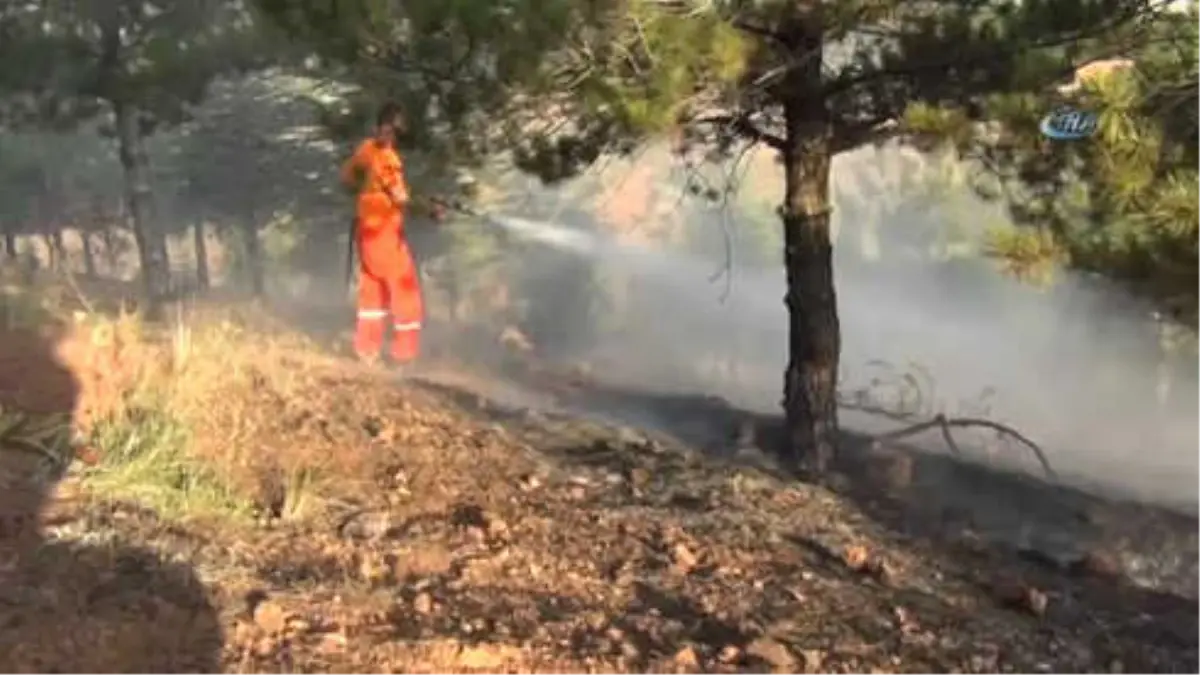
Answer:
(357, 163)
(398, 175)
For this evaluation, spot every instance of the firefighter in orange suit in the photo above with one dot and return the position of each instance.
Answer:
(388, 287)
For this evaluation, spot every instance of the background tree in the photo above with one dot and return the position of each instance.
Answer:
(19, 181)
(1122, 203)
(42, 195)
(134, 65)
(253, 162)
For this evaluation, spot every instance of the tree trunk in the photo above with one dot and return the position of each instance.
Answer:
(89, 254)
(112, 253)
(254, 257)
(58, 250)
(51, 253)
(201, 246)
(10, 242)
(152, 245)
(814, 334)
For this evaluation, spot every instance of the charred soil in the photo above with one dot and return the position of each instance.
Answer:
(466, 533)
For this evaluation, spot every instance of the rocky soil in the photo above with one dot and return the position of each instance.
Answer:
(503, 537)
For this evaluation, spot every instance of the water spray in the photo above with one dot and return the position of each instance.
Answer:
(562, 238)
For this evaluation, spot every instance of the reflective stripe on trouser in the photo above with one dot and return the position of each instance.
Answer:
(388, 285)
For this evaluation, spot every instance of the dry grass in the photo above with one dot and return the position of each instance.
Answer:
(223, 410)
(213, 412)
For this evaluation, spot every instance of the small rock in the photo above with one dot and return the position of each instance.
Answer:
(1097, 564)
(423, 603)
(685, 561)
(333, 642)
(639, 476)
(1036, 601)
(813, 660)
(772, 652)
(530, 482)
(856, 558)
(984, 663)
(630, 436)
(881, 570)
(729, 654)
(1021, 596)
(687, 658)
(265, 647)
(629, 650)
(497, 528)
(270, 616)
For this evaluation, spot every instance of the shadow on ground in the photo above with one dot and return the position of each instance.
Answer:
(78, 606)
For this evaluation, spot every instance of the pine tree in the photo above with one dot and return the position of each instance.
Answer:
(559, 83)
(136, 66)
(1123, 202)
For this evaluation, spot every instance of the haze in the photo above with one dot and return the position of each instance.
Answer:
(1078, 366)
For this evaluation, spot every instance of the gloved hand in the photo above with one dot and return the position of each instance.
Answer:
(437, 208)
(398, 195)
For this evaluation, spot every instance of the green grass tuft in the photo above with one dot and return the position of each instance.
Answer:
(144, 457)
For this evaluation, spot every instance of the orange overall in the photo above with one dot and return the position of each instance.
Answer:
(387, 283)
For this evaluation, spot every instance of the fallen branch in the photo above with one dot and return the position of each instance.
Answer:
(877, 410)
(945, 424)
(914, 403)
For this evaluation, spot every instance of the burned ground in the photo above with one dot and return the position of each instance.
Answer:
(461, 528)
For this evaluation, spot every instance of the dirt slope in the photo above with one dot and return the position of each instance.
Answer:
(482, 537)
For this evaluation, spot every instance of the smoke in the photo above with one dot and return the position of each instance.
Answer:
(1079, 366)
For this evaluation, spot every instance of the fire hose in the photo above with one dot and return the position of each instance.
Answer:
(352, 239)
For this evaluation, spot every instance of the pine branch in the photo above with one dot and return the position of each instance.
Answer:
(741, 125)
(985, 59)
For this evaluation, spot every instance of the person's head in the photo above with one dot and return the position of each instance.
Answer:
(389, 123)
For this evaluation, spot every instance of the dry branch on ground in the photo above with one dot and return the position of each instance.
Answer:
(912, 392)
